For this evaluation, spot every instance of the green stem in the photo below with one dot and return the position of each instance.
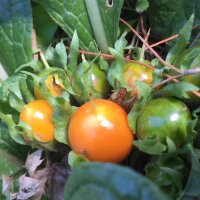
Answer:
(97, 24)
(44, 60)
(141, 58)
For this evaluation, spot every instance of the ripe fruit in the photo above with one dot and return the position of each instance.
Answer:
(134, 71)
(53, 84)
(99, 130)
(164, 117)
(37, 114)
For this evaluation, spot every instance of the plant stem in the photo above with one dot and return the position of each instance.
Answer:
(44, 60)
(97, 24)
(141, 58)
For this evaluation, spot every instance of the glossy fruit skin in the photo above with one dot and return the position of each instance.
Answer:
(164, 117)
(37, 114)
(99, 130)
(133, 71)
(54, 86)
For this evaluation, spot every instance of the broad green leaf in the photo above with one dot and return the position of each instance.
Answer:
(15, 33)
(182, 41)
(142, 5)
(104, 17)
(109, 182)
(166, 17)
(44, 26)
(95, 22)
(70, 16)
(179, 90)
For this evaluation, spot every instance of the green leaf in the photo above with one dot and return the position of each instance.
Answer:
(108, 182)
(10, 146)
(57, 57)
(12, 128)
(61, 116)
(74, 53)
(144, 91)
(191, 190)
(168, 172)
(171, 15)
(15, 33)
(44, 26)
(74, 159)
(70, 16)
(142, 5)
(179, 89)
(83, 16)
(150, 146)
(106, 15)
(190, 58)
(182, 41)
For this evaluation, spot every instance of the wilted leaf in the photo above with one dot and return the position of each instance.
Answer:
(28, 187)
(6, 183)
(33, 161)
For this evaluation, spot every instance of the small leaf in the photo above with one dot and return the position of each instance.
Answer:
(57, 57)
(144, 91)
(33, 161)
(182, 42)
(179, 90)
(171, 147)
(150, 146)
(73, 53)
(74, 159)
(142, 5)
(61, 116)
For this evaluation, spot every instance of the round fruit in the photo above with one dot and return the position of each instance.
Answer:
(164, 117)
(134, 71)
(99, 130)
(53, 84)
(37, 114)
